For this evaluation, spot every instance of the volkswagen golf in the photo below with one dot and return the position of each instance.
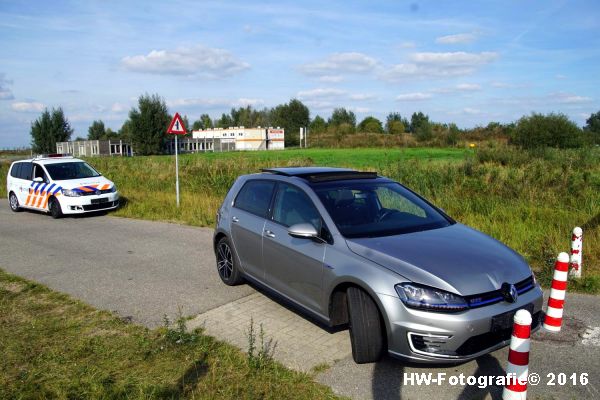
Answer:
(356, 249)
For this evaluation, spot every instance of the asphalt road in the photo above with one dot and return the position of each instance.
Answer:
(143, 270)
(139, 269)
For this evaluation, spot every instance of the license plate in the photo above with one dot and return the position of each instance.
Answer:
(505, 320)
(98, 201)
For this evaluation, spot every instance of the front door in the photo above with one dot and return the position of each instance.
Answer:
(293, 266)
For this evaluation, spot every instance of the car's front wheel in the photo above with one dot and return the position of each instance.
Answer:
(54, 208)
(227, 264)
(366, 333)
(13, 201)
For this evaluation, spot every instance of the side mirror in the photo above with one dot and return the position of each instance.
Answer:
(38, 179)
(303, 231)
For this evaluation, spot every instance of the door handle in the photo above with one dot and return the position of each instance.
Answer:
(269, 233)
(235, 219)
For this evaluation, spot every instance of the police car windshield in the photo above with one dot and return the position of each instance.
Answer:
(71, 170)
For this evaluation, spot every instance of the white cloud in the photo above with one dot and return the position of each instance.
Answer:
(502, 85)
(418, 96)
(118, 107)
(468, 87)
(438, 65)
(407, 45)
(362, 97)
(194, 61)
(568, 98)
(28, 106)
(331, 78)
(340, 63)
(214, 102)
(471, 111)
(5, 92)
(361, 110)
(320, 93)
(456, 39)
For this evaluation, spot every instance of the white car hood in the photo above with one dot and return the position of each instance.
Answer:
(97, 182)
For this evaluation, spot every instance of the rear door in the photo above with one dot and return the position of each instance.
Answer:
(250, 208)
(293, 266)
(24, 183)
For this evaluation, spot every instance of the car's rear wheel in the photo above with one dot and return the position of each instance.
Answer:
(13, 201)
(54, 208)
(366, 333)
(227, 264)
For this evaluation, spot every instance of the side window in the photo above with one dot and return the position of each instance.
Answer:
(293, 206)
(392, 201)
(38, 172)
(15, 170)
(25, 171)
(255, 197)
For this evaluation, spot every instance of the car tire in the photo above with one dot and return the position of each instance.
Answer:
(366, 333)
(13, 202)
(227, 263)
(54, 207)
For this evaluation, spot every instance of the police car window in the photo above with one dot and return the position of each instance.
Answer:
(255, 197)
(38, 172)
(14, 171)
(25, 171)
(71, 170)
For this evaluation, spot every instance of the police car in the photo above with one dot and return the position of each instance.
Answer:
(59, 184)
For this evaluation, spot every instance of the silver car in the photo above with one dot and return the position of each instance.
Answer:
(353, 248)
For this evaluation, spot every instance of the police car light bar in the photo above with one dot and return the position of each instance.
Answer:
(54, 155)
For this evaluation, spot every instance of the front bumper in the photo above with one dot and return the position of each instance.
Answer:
(433, 337)
(84, 204)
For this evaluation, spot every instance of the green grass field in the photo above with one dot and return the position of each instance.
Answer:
(54, 347)
(529, 200)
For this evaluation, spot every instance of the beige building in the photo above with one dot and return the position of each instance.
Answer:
(241, 138)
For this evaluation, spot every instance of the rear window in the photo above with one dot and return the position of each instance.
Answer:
(255, 197)
(14, 171)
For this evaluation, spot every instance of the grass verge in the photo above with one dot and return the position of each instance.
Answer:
(55, 347)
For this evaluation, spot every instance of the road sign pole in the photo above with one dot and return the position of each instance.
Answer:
(177, 169)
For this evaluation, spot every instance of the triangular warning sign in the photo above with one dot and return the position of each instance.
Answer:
(176, 126)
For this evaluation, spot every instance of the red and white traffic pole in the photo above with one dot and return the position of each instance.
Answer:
(576, 252)
(556, 302)
(517, 368)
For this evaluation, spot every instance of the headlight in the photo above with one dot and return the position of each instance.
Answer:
(71, 193)
(428, 298)
(113, 189)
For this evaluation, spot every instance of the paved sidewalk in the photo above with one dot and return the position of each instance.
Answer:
(301, 344)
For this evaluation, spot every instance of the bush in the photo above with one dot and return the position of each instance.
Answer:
(552, 130)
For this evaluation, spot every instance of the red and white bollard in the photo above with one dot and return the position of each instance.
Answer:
(556, 302)
(517, 368)
(576, 252)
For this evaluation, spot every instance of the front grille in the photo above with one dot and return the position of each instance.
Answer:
(105, 191)
(101, 206)
(484, 299)
(484, 341)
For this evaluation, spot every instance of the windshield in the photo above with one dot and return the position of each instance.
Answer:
(367, 209)
(71, 170)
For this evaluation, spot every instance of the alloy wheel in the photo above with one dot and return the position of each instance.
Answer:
(224, 261)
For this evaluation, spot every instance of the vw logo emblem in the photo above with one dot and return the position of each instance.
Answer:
(509, 292)
(98, 193)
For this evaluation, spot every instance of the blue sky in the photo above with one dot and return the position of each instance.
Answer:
(458, 61)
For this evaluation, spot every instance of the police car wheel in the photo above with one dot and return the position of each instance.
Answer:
(14, 202)
(54, 207)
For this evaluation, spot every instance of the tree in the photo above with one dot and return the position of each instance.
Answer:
(110, 134)
(418, 120)
(342, 116)
(125, 131)
(225, 121)
(291, 116)
(552, 130)
(48, 129)
(205, 122)
(395, 124)
(592, 125)
(370, 125)
(149, 124)
(318, 125)
(96, 131)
